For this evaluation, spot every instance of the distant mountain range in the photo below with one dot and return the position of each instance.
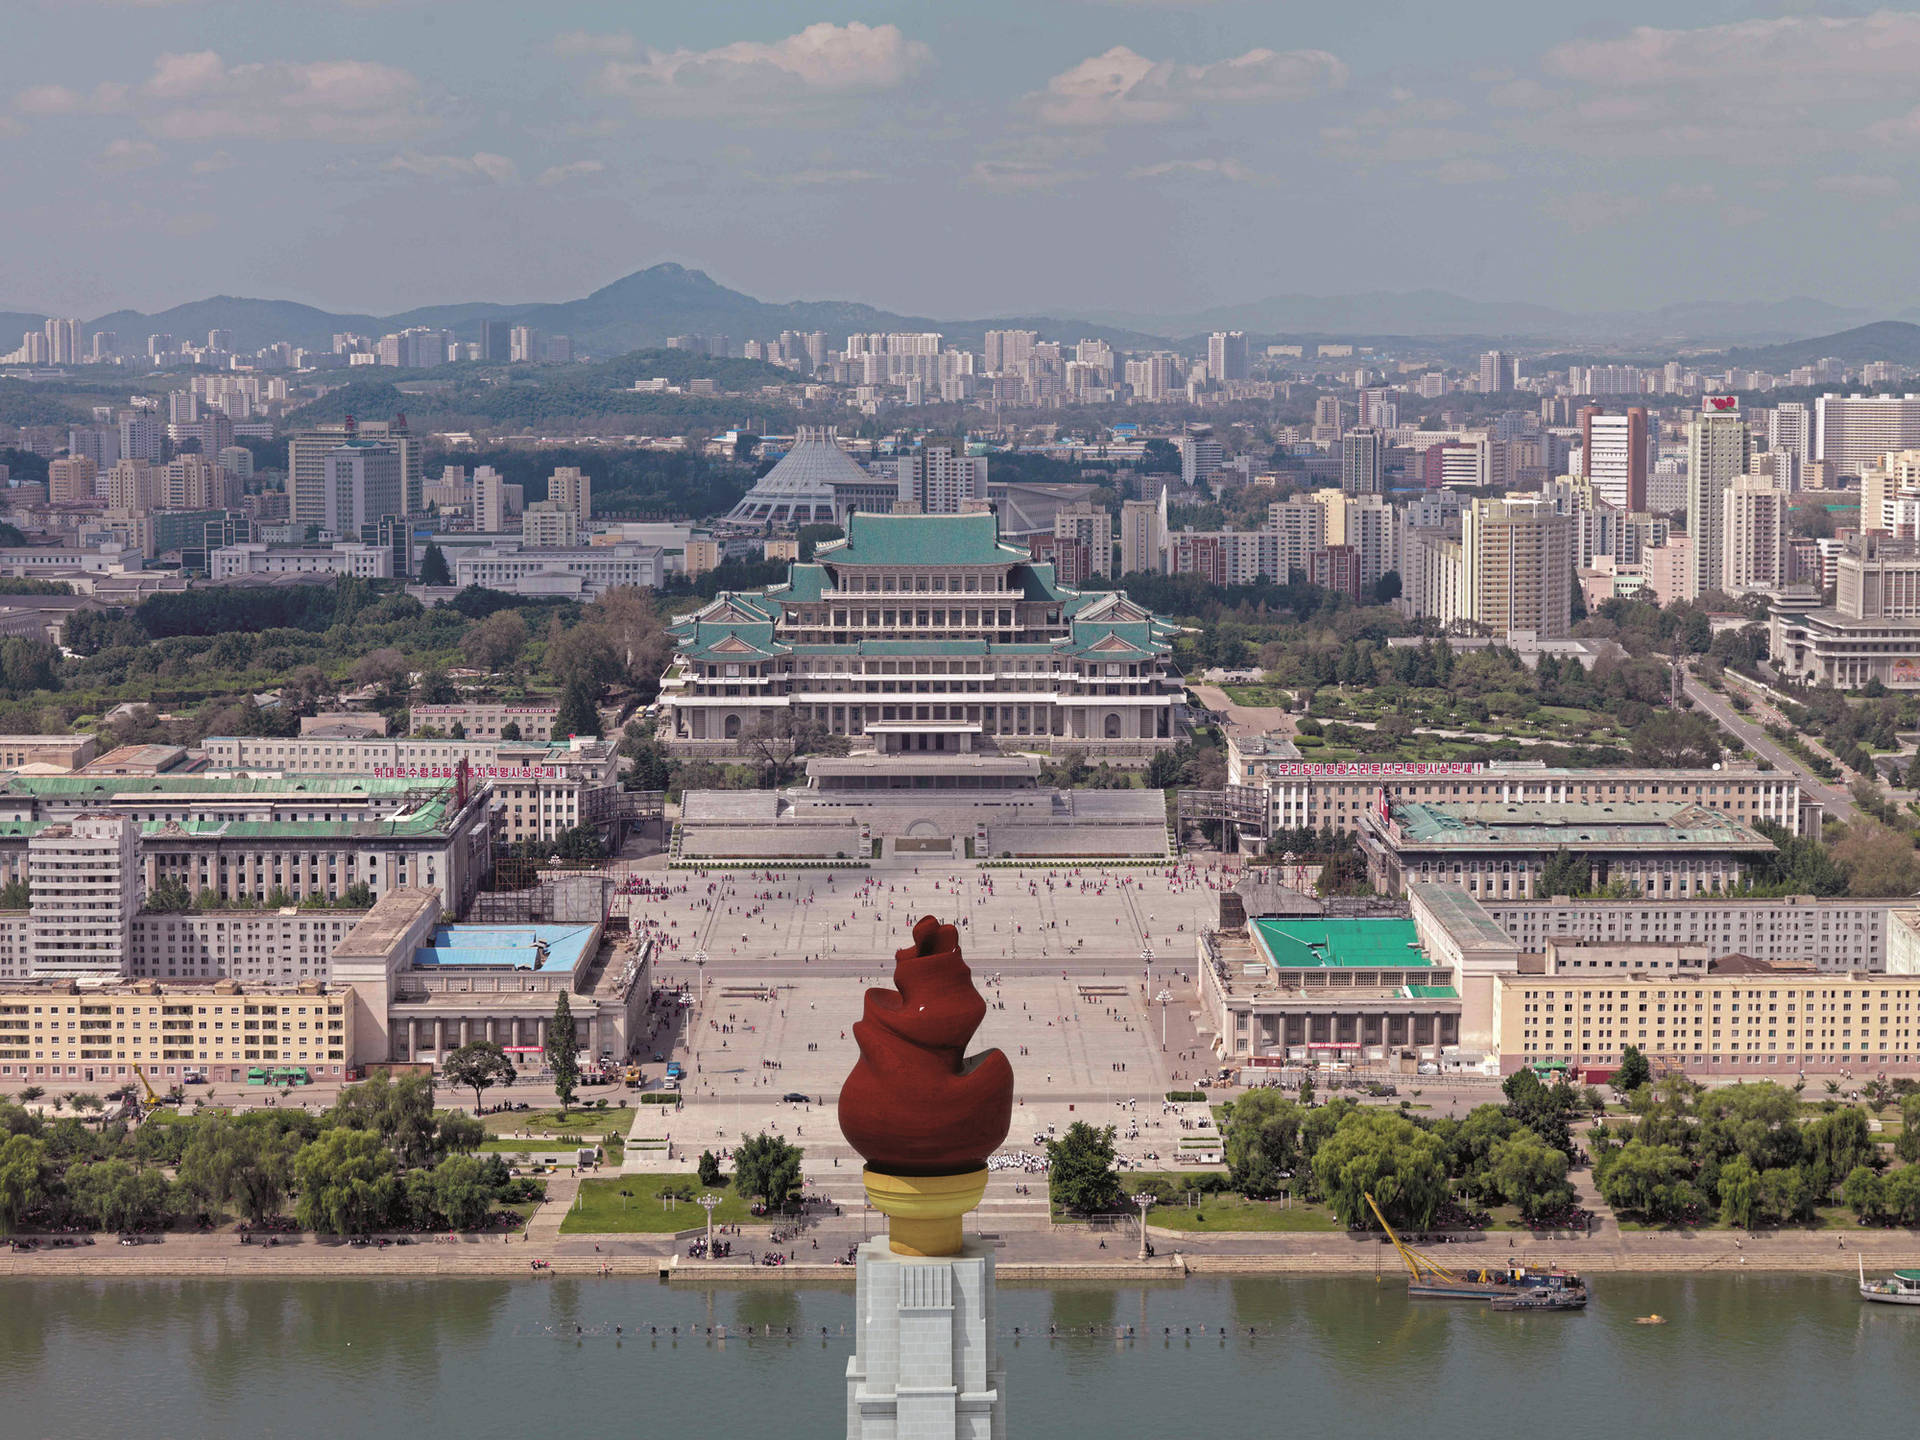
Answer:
(1895, 340)
(647, 307)
(1435, 314)
(643, 309)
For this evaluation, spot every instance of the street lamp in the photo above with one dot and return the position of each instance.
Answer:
(1164, 997)
(1145, 1202)
(709, 1202)
(700, 960)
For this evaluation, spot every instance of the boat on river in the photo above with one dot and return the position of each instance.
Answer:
(1544, 1287)
(1546, 1297)
(1900, 1288)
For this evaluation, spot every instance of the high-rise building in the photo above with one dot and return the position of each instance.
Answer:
(362, 486)
(521, 343)
(1091, 527)
(1615, 450)
(1496, 372)
(190, 482)
(1299, 527)
(558, 350)
(1007, 351)
(84, 877)
(1200, 454)
(1227, 355)
(1140, 537)
(1517, 567)
(103, 347)
(1753, 535)
(140, 436)
(221, 341)
(1718, 448)
(572, 488)
(307, 452)
(1850, 431)
(130, 487)
(63, 342)
(1327, 422)
(549, 525)
(1363, 461)
(939, 477)
(70, 480)
(489, 500)
(99, 443)
(495, 344)
(1790, 428)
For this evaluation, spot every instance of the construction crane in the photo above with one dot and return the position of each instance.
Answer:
(1421, 1267)
(153, 1100)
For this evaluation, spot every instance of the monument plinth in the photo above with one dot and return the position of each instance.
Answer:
(925, 1115)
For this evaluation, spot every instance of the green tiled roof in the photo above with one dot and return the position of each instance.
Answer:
(1339, 944)
(64, 785)
(920, 540)
(1431, 992)
(804, 582)
(1576, 826)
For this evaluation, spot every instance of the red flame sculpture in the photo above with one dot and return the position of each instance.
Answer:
(916, 1102)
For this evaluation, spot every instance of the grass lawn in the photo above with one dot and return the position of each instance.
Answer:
(1828, 1217)
(597, 1123)
(554, 1147)
(601, 1210)
(1236, 1212)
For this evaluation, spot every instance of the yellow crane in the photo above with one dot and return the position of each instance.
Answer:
(153, 1100)
(1421, 1267)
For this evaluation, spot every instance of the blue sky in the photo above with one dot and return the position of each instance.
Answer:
(997, 156)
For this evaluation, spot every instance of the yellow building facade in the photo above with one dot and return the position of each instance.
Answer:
(94, 1033)
(1740, 1017)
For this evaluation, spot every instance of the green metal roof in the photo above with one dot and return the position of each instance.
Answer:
(1431, 992)
(1339, 944)
(920, 540)
(61, 785)
(1575, 826)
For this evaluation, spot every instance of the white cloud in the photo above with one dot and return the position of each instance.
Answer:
(1754, 91)
(820, 61)
(479, 166)
(1862, 186)
(1585, 210)
(1805, 51)
(126, 154)
(1202, 169)
(1018, 174)
(210, 164)
(585, 42)
(200, 97)
(1701, 194)
(1122, 86)
(60, 100)
(572, 170)
(803, 178)
(1469, 171)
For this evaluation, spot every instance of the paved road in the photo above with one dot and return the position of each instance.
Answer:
(1246, 719)
(1839, 805)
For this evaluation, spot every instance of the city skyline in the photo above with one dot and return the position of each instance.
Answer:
(363, 155)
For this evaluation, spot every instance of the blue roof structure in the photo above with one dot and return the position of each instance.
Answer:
(508, 947)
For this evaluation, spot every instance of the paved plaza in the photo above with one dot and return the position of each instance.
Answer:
(1016, 915)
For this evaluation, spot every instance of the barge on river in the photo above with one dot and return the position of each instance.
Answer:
(1517, 1287)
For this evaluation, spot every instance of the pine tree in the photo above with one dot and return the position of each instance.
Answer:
(562, 1052)
(434, 569)
(578, 715)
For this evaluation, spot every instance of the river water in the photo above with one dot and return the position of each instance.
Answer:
(1756, 1356)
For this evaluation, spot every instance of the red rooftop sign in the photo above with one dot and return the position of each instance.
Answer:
(1389, 768)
